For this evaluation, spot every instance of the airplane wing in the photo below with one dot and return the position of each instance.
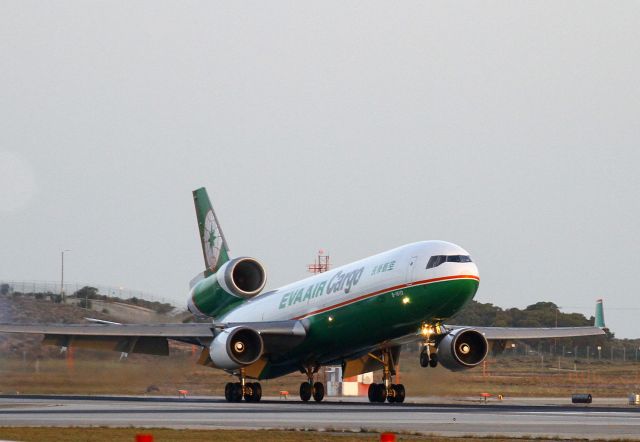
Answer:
(506, 333)
(503, 333)
(151, 338)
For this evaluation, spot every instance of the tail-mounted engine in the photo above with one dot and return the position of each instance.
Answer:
(236, 347)
(235, 281)
(462, 348)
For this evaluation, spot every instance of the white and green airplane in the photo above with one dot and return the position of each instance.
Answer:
(357, 315)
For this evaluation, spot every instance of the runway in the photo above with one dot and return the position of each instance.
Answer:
(508, 419)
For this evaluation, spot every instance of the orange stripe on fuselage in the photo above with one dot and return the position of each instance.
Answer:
(389, 289)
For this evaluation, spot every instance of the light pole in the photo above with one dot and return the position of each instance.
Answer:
(62, 273)
(599, 352)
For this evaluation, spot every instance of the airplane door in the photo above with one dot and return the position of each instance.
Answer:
(411, 270)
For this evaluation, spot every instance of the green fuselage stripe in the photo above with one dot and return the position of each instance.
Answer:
(386, 290)
(345, 329)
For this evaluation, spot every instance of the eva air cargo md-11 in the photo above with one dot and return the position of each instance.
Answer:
(357, 315)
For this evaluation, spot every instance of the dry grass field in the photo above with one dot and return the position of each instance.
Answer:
(28, 367)
(99, 434)
(103, 373)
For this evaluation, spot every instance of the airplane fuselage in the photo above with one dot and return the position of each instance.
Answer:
(353, 307)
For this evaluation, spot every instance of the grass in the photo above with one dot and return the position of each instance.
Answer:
(162, 435)
(102, 373)
(102, 434)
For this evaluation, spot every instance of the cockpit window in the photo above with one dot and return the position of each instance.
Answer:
(436, 260)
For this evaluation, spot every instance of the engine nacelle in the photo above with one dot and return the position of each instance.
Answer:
(236, 280)
(243, 277)
(236, 347)
(462, 348)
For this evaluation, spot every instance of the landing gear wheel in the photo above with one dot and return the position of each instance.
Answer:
(391, 395)
(424, 359)
(248, 392)
(433, 362)
(318, 391)
(381, 393)
(253, 392)
(227, 391)
(399, 393)
(305, 391)
(257, 392)
(236, 392)
(376, 392)
(372, 392)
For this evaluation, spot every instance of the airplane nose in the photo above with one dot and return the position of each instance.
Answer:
(473, 270)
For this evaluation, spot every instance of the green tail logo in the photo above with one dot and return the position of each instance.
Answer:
(214, 245)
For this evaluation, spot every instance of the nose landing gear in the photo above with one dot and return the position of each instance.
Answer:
(428, 354)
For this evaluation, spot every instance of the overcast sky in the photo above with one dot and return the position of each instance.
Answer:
(510, 128)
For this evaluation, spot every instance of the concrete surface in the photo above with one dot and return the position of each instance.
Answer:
(450, 417)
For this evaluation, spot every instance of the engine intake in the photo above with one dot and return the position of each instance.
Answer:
(244, 277)
(462, 349)
(236, 347)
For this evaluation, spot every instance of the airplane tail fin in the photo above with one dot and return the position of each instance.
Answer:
(599, 315)
(214, 245)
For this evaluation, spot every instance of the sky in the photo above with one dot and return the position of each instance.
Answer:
(509, 128)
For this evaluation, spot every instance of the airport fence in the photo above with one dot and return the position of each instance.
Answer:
(53, 287)
(609, 350)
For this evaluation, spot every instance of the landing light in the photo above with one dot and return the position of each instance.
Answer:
(330, 318)
(406, 300)
(426, 330)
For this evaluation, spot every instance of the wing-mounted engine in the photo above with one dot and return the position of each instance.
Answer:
(236, 347)
(235, 281)
(462, 348)
(249, 345)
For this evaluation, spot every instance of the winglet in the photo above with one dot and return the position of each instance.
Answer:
(599, 315)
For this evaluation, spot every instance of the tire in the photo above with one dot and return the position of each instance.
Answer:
(227, 391)
(257, 392)
(249, 394)
(372, 392)
(236, 392)
(381, 393)
(391, 398)
(305, 391)
(433, 362)
(424, 359)
(400, 393)
(318, 391)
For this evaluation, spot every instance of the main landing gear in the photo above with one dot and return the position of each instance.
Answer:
(386, 390)
(250, 391)
(311, 389)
